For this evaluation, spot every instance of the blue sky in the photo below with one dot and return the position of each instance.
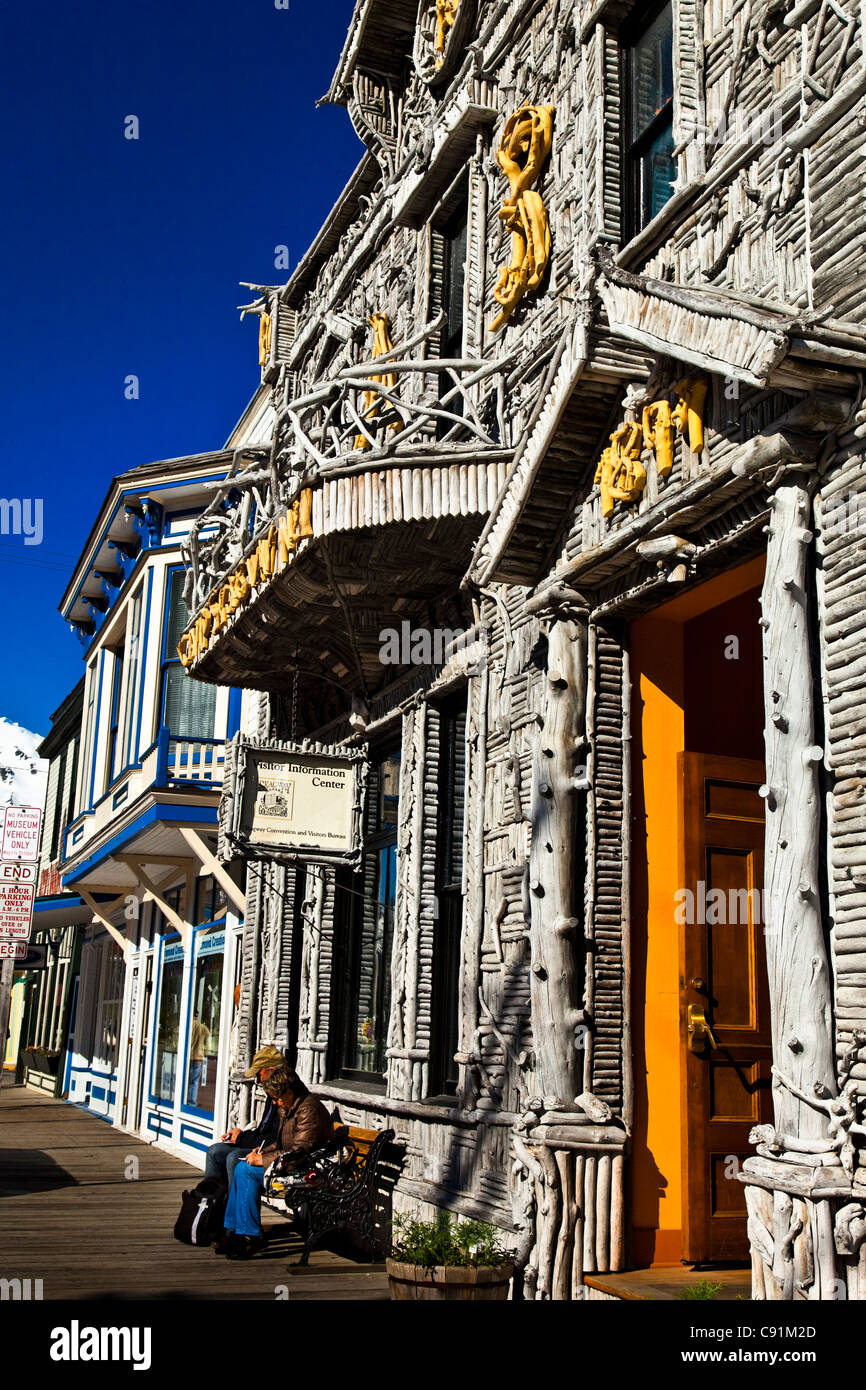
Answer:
(122, 257)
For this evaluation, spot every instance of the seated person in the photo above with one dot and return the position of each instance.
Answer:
(303, 1124)
(223, 1157)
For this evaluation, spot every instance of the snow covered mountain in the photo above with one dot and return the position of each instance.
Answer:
(23, 775)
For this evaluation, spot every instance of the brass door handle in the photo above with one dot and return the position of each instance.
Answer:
(700, 1030)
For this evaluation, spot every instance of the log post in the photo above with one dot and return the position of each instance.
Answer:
(556, 838)
(799, 976)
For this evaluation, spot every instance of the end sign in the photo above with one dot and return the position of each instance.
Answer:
(21, 825)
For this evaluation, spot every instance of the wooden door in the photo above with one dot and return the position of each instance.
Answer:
(725, 1067)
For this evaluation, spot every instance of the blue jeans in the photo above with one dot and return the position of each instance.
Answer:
(222, 1159)
(195, 1070)
(242, 1208)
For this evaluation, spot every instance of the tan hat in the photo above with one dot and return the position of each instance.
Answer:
(266, 1057)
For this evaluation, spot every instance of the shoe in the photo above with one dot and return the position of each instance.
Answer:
(244, 1247)
(221, 1244)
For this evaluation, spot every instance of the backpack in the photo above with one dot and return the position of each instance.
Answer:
(201, 1213)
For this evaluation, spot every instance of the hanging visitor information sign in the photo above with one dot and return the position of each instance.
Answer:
(293, 801)
(21, 832)
(17, 894)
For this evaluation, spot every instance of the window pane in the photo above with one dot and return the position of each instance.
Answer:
(658, 173)
(652, 72)
(455, 281)
(369, 1004)
(128, 722)
(389, 792)
(110, 1004)
(204, 1028)
(178, 615)
(452, 794)
(189, 706)
(115, 761)
(171, 984)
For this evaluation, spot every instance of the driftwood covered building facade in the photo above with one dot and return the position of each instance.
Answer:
(570, 384)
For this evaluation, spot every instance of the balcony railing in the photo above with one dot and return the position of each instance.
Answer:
(189, 761)
(398, 408)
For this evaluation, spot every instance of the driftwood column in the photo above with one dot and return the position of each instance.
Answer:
(557, 837)
(798, 1169)
(799, 976)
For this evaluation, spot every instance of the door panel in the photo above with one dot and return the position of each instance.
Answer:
(726, 1068)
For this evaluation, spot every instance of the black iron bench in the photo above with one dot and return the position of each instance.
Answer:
(334, 1187)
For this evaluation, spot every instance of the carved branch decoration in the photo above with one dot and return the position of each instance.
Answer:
(526, 144)
(398, 402)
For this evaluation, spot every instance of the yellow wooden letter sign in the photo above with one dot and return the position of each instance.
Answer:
(446, 17)
(689, 411)
(620, 474)
(270, 555)
(265, 330)
(381, 343)
(526, 143)
(658, 434)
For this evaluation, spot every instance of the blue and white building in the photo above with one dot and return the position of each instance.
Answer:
(159, 961)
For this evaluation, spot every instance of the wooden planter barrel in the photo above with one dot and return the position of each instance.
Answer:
(417, 1283)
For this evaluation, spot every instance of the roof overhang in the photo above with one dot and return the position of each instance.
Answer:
(154, 830)
(762, 345)
(379, 40)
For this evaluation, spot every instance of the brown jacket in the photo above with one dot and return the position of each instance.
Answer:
(305, 1125)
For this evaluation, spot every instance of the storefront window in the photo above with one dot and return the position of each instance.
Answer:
(204, 1025)
(364, 952)
(210, 901)
(168, 1024)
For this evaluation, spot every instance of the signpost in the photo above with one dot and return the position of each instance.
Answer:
(21, 825)
(19, 851)
(25, 956)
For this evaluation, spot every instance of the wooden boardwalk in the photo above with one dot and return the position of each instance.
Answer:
(70, 1216)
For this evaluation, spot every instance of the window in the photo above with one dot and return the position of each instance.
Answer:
(87, 772)
(73, 779)
(188, 706)
(450, 249)
(454, 282)
(362, 952)
(110, 996)
(113, 743)
(651, 169)
(210, 900)
(451, 803)
(204, 1022)
(129, 731)
(57, 810)
(168, 1022)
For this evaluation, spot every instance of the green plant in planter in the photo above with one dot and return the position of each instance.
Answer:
(446, 1241)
